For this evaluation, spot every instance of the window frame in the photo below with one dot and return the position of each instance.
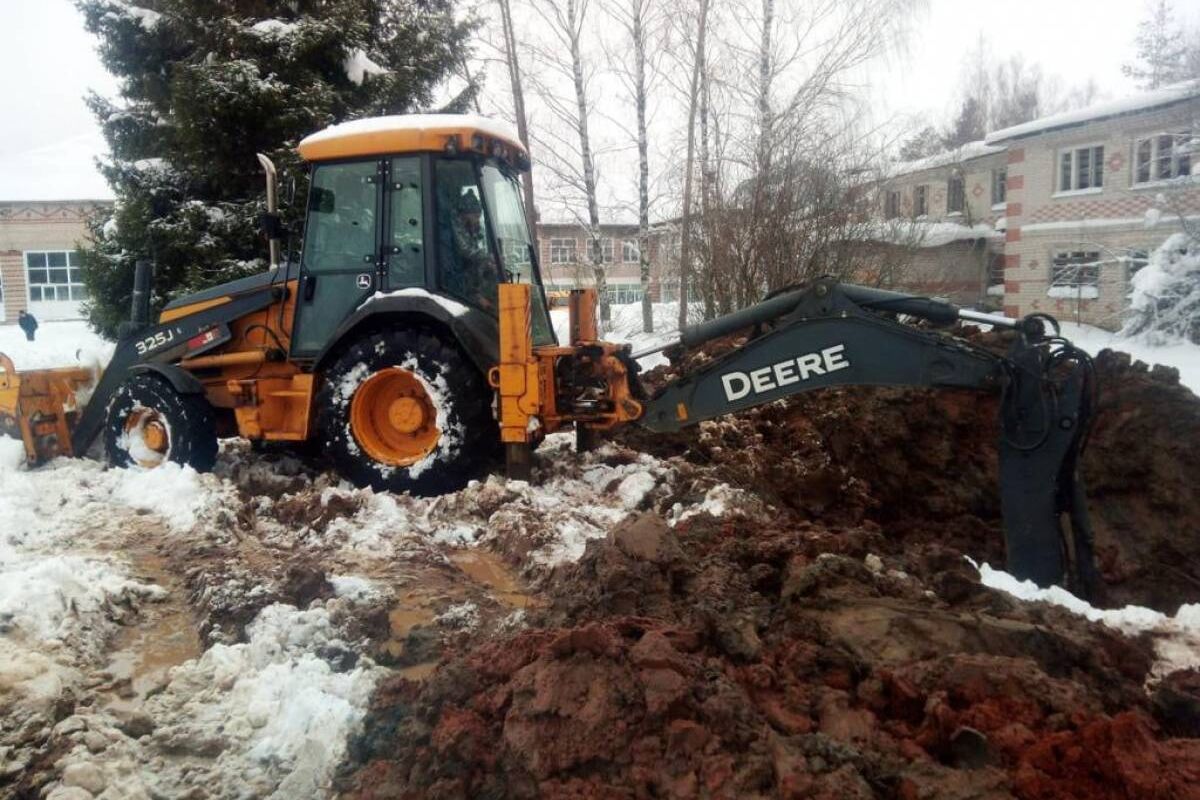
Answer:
(1093, 270)
(956, 187)
(891, 204)
(73, 262)
(920, 201)
(1074, 151)
(999, 179)
(1154, 140)
(628, 245)
(574, 250)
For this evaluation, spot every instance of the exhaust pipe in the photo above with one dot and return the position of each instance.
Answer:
(272, 207)
(139, 313)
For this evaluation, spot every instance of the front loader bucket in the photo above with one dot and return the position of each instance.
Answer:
(40, 407)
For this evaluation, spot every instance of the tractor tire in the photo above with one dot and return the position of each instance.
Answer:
(405, 411)
(148, 423)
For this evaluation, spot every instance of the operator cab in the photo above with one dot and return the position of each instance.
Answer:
(424, 204)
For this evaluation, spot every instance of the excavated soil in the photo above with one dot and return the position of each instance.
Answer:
(923, 465)
(829, 639)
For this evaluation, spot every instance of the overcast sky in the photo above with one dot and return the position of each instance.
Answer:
(49, 140)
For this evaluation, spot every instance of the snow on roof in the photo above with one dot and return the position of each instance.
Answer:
(401, 132)
(920, 233)
(1143, 101)
(966, 152)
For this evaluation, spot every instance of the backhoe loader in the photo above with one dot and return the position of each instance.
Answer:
(411, 344)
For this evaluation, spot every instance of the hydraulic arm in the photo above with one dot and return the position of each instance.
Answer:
(832, 334)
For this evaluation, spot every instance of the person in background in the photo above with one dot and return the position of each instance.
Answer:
(28, 323)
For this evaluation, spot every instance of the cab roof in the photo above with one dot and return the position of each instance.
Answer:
(411, 133)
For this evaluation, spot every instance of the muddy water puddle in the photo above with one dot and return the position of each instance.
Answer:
(166, 636)
(476, 571)
(490, 571)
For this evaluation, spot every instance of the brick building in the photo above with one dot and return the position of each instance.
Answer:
(1080, 199)
(39, 266)
(566, 263)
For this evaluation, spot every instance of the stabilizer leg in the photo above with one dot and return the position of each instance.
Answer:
(518, 458)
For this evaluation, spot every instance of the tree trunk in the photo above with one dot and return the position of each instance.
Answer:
(685, 248)
(639, 49)
(589, 170)
(518, 93)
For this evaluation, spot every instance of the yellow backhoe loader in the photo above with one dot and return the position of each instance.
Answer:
(411, 343)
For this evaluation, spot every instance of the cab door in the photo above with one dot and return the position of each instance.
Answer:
(341, 261)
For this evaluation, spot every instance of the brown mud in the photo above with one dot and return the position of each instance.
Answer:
(829, 640)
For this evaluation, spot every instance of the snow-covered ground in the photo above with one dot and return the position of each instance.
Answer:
(1183, 356)
(625, 325)
(57, 344)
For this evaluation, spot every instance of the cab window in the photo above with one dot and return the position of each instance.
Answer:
(503, 194)
(468, 269)
(406, 254)
(340, 234)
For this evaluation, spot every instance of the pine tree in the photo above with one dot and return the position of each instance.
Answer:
(204, 86)
(1160, 50)
(922, 144)
(969, 126)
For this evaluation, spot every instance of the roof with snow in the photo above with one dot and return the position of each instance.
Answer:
(415, 133)
(1144, 101)
(967, 152)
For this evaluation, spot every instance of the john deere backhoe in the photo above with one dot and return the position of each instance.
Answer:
(411, 340)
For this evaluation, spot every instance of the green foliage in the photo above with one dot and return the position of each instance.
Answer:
(207, 84)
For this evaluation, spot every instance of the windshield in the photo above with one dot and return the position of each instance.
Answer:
(513, 243)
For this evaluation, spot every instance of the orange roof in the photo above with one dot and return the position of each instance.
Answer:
(413, 133)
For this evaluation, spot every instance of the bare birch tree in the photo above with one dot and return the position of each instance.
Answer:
(685, 249)
(565, 21)
(512, 61)
(636, 68)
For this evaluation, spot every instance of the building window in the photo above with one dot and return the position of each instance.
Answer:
(1162, 157)
(1075, 274)
(999, 186)
(921, 201)
(891, 205)
(955, 195)
(606, 250)
(1081, 168)
(630, 254)
(54, 276)
(562, 251)
(623, 293)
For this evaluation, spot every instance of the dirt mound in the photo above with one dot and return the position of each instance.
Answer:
(923, 465)
(828, 639)
(734, 659)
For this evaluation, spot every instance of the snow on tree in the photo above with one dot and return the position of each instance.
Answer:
(1164, 302)
(204, 86)
(1161, 52)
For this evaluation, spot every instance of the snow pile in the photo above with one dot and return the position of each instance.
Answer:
(1177, 638)
(58, 344)
(1164, 302)
(270, 716)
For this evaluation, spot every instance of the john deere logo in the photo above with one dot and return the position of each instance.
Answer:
(363, 281)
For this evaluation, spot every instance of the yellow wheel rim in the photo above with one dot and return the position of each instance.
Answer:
(148, 437)
(392, 417)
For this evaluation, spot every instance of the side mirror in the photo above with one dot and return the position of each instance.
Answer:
(271, 225)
